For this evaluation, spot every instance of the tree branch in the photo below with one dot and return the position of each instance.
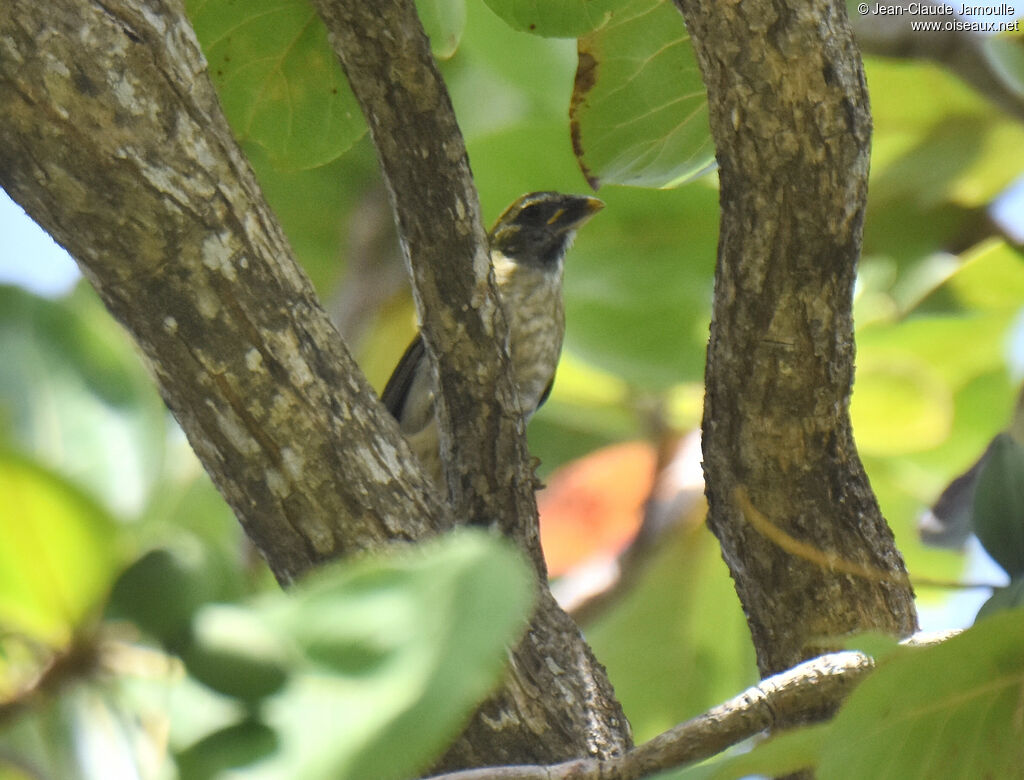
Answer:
(387, 58)
(389, 65)
(112, 139)
(963, 53)
(789, 114)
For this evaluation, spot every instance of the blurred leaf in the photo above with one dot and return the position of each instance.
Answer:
(555, 18)
(278, 78)
(639, 110)
(899, 407)
(443, 21)
(236, 653)
(58, 553)
(676, 643)
(999, 504)
(955, 349)
(906, 484)
(957, 149)
(392, 654)
(231, 747)
(638, 286)
(78, 333)
(955, 392)
(927, 171)
(74, 394)
(161, 591)
(957, 712)
(501, 78)
(991, 278)
(1010, 597)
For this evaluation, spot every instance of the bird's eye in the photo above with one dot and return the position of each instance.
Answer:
(534, 213)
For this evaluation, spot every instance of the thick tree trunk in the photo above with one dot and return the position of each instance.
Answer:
(801, 531)
(112, 139)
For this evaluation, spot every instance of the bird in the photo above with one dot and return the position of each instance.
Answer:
(527, 246)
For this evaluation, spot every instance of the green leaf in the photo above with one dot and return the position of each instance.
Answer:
(231, 747)
(991, 278)
(1010, 597)
(929, 151)
(57, 554)
(639, 111)
(555, 18)
(637, 304)
(160, 592)
(392, 654)
(75, 395)
(999, 504)
(278, 78)
(235, 652)
(951, 711)
(444, 22)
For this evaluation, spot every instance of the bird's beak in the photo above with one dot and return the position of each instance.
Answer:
(592, 206)
(587, 208)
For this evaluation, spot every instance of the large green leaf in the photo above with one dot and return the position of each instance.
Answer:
(639, 111)
(162, 590)
(1010, 597)
(555, 18)
(56, 558)
(389, 656)
(278, 78)
(951, 711)
(235, 652)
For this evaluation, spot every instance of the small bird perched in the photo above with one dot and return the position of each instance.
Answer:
(527, 244)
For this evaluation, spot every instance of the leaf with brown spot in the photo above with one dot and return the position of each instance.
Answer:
(639, 111)
(555, 18)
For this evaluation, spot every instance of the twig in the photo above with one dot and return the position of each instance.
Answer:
(797, 694)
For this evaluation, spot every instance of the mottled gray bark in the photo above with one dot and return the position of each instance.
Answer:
(555, 711)
(387, 59)
(789, 115)
(112, 139)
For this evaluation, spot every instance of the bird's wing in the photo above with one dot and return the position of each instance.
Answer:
(544, 395)
(397, 388)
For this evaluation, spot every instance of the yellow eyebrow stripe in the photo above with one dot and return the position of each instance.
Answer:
(556, 216)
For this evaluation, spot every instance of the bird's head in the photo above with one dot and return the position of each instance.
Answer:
(538, 228)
